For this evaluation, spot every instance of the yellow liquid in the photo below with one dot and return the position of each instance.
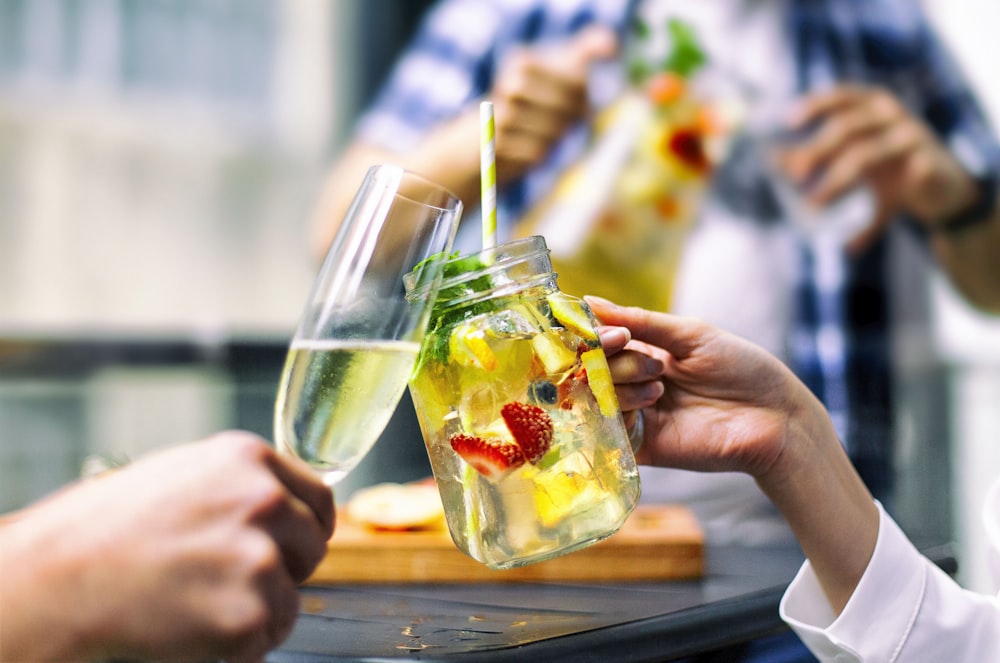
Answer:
(631, 258)
(581, 490)
(336, 398)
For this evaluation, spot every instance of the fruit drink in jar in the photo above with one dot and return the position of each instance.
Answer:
(518, 411)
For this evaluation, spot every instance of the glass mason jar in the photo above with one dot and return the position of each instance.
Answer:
(518, 411)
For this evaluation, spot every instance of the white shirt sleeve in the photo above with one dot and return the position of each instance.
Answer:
(904, 609)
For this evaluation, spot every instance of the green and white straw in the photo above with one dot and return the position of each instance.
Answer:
(488, 173)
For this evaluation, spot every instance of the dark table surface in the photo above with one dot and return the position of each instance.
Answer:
(735, 601)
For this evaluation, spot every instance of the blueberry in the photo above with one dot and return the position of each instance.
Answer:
(543, 391)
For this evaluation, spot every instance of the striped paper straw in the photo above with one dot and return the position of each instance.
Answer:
(488, 173)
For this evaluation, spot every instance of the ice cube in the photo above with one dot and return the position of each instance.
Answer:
(508, 323)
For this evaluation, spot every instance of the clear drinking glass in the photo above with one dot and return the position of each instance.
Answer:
(357, 341)
(518, 411)
(837, 222)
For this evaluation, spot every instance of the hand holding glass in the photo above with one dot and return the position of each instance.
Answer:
(355, 347)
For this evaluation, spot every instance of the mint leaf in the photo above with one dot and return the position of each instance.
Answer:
(640, 28)
(444, 317)
(420, 270)
(638, 71)
(686, 55)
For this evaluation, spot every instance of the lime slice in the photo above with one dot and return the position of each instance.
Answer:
(549, 349)
(599, 379)
(468, 347)
(570, 312)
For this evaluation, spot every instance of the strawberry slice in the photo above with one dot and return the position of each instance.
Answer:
(687, 146)
(492, 457)
(531, 427)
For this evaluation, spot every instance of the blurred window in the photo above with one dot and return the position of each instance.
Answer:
(216, 52)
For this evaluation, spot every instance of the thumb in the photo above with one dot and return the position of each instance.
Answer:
(593, 43)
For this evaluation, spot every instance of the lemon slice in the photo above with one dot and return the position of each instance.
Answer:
(549, 349)
(435, 406)
(396, 506)
(599, 379)
(468, 347)
(570, 312)
(556, 497)
(565, 489)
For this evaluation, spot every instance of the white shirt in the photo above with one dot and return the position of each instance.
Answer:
(904, 609)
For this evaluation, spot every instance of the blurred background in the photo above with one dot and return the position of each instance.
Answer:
(159, 161)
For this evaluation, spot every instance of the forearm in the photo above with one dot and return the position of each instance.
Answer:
(828, 507)
(449, 156)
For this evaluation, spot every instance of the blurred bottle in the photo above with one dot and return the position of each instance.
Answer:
(616, 221)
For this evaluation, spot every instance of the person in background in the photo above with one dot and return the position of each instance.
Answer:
(887, 109)
(712, 402)
(192, 553)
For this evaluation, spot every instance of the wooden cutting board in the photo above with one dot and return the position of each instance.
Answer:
(658, 542)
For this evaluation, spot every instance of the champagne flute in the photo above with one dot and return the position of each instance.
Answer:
(356, 344)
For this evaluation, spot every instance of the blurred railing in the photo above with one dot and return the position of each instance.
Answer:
(62, 399)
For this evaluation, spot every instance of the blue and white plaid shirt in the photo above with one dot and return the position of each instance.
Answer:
(840, 346)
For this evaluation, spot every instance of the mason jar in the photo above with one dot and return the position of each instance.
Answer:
(518, 411)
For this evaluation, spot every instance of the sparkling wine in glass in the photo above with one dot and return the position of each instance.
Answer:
(357, 341)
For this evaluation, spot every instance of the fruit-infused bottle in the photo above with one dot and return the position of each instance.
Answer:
(518, 410)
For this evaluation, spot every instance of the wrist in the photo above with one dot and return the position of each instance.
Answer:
(809, 440)
(977, 209)
(829, 509)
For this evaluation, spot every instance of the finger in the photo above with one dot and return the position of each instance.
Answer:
(301, 525)
(837, 133)
(557, 75)
(541, 102)
(637, 396)
(281, 599)
(534, 123)
(613, 339)
(591, 44)
(632, 367)
(285, 610)
(299, 537)
(649, 350)
(677, 335)
(530, 79)
(305, 485)
(524, 148)
(527, 131)
(814, 107)
(861, 158)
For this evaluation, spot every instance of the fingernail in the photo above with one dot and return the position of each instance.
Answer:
(616, 336)
(654, 366)
(600, 300)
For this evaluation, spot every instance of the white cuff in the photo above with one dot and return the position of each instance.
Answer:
(880, 613)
